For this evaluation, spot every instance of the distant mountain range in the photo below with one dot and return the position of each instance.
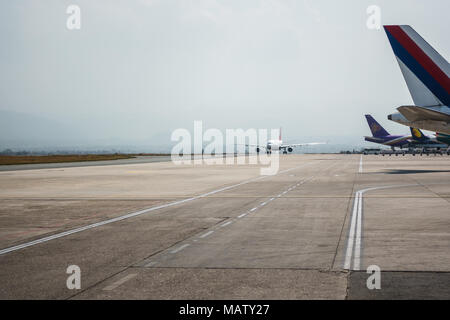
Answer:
(30, 132)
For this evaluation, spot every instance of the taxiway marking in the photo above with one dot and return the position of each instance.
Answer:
(360, 164)
(134, 214)
(206, 234)
(180, 248)
(151, 264)
(226, 223)
(164, 254)
(353, 250)
(119, 282)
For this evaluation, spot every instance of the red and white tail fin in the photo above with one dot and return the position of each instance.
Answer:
(425, 71)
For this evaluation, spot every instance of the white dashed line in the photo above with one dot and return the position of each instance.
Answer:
(134, 214)
(253, 209)
(180, 248)
(242, 215)
(225, 224)
(151, 264)
(206, 234)
(119, 282)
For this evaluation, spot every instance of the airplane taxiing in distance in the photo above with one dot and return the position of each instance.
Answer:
(426, 74)
(278, 145)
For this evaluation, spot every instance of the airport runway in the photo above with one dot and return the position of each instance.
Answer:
(161, 231)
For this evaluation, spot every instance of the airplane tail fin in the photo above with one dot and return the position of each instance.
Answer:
(425, 71)
(375, 127)
(418, 135)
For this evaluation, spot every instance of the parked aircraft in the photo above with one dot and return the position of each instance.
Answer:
(416, 140)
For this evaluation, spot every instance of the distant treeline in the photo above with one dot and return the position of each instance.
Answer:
(9, 152)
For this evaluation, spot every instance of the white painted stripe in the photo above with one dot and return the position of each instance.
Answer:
(271, 199)
(226, 223)
(133, 214)
(360, 164)
(357, 256)
(253, 209)
(119, 282)
(351, 237)
(355, 233)
(151, 264)
(180, 248)
(242, 215)
(263, 204)
(206, 234)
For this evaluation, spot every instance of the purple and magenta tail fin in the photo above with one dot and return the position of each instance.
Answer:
(375, 127)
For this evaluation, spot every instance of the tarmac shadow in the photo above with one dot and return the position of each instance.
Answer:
(406, 171)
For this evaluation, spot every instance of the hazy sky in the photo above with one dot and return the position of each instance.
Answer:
(138, 69)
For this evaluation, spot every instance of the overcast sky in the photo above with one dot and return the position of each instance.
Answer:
(138, 69)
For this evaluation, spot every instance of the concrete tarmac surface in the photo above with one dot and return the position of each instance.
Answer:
(165, 231)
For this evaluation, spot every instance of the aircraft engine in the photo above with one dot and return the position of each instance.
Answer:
(290, 149)
(257, 149)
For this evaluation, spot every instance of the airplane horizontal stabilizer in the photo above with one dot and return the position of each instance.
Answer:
(415, 113)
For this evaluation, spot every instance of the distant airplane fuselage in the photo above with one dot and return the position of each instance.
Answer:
(390, 140)
(277, 145)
